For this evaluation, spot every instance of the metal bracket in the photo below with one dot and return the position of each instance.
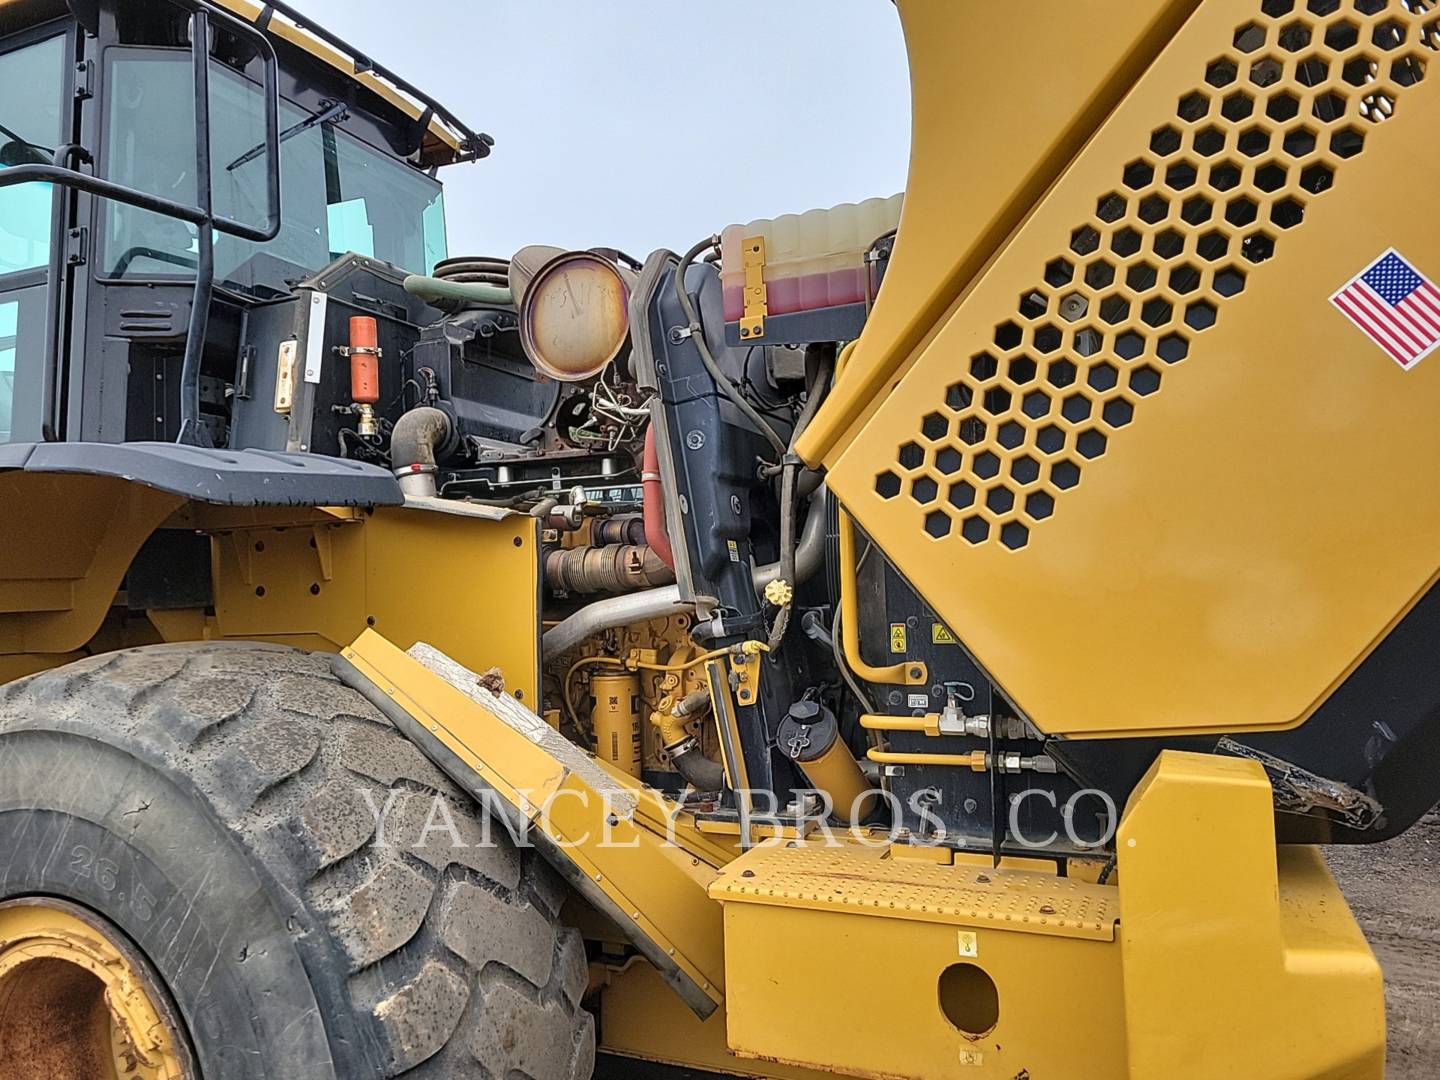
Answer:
(745, 677)
(752, 322)
(76, 243)
(84, 80)
(324, 553)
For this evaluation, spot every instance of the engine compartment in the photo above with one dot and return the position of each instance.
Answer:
(682, 542)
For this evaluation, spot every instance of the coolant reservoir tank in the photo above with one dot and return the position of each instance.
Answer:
(812, 260)
(574, 311)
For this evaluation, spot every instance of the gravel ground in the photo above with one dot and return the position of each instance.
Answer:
(1394, 890)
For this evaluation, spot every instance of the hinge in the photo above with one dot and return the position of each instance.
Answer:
(84, 80)
(75, 245)
(752, 322)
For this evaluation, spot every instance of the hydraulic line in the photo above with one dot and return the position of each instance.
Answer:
(781, 590)
(976, 761)
(872, 722)
(911, 673)
(844, 668)
(809, 551)
(950, 722)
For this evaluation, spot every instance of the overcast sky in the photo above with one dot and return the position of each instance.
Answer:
(642, 124)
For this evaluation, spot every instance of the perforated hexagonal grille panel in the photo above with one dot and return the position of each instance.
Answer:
(1271, 123)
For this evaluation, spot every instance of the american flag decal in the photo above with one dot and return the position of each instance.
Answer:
(1396, 306)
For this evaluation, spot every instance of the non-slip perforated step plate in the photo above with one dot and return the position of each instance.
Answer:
(865, 881)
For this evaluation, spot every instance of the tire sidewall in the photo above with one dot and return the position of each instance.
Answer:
(177, 884)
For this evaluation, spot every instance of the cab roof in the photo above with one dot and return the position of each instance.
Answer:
(447, 139)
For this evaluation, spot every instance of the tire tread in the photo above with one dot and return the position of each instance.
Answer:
(444, 948)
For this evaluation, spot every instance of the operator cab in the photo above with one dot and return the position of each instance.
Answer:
(96, 293)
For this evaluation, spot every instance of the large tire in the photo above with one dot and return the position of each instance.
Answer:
(211, 801)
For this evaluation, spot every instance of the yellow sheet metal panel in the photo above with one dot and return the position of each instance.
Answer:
(977, 978)
(1235, 966)
(641, 1017)
(1003, 95)
(1146, 470)
(467, 584)
(66, 542)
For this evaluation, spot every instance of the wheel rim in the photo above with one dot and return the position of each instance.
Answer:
(78, 1001)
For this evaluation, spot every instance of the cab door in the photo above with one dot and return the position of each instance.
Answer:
(33, 123)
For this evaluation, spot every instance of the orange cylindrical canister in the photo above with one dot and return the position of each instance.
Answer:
(364, 360)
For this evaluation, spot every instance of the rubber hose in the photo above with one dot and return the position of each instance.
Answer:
(431, 289)
(657, 535)
(787, 549)
(412, 449)
(791, 467)
(700, 772)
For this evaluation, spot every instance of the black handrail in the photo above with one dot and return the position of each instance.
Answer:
(202, 216)
(473, 144)
(49, 411)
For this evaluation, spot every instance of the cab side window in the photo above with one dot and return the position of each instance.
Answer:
(33, 78)
(32, 86)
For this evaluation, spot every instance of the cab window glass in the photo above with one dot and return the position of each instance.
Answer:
(150, 146)
(337, 194)
(32, 83)
(22, 321)
(383, 205)
(9, 339)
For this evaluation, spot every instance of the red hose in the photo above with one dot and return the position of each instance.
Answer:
(655, 534)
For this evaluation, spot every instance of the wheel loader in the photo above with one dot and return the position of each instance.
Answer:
(927, 638)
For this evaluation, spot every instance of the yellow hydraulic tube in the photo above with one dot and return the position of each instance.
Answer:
(929, 723)
(974, 760)
(744, 648)
(910, 673)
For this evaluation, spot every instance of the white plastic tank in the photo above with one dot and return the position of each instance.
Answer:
(812, 260)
